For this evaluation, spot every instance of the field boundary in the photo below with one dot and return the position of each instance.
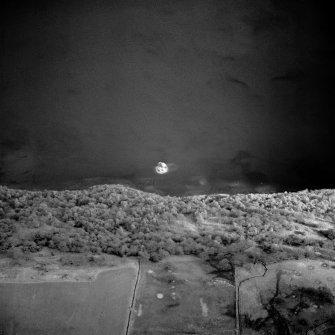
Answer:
(237, 290)
(133, 301)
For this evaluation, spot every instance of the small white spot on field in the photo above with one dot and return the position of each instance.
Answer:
(159, 295)
(140, 310)
(204, 308)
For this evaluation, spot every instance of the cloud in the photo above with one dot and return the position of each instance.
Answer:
(290, 75)
(236, 81)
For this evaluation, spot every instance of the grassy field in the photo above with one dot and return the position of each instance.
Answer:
(183, 295)
(178, 295)
(290, 297)
(99, 307)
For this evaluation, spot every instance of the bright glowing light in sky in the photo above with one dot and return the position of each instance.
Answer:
(163, 168)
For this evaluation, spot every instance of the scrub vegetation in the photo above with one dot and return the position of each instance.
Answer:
(115, 219)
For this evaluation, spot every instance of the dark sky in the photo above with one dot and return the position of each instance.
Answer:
(227, 89)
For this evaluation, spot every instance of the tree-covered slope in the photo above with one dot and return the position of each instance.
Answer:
(119, 220)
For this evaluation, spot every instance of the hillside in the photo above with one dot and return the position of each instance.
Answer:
(118, 220)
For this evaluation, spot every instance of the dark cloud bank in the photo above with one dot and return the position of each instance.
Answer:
(225, 89)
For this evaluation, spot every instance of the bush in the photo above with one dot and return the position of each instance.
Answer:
(224, 265)
(73, 260)
(18, 256)
(99, 260)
